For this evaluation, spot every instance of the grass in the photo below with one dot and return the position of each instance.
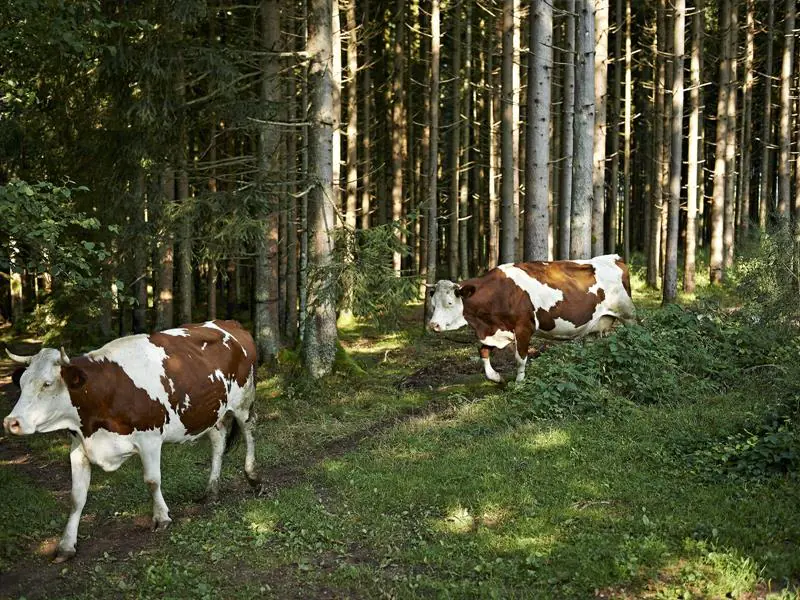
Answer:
(463, 489)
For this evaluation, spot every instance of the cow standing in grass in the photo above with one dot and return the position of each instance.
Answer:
(134, 394)
(559, 300)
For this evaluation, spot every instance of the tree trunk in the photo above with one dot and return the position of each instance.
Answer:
(694, 190)
(654, 249)
(784, 129)
(567, 139)
(510, 154)
(718, 200)
(319, 344)
(537, 178)
(494, 102)
(465, 168)
(366, 141)
(455, 150)
(613, 198)
(626, 168)
(765, 189)
(670, 290)
(398, 122)
(432, 159)
(731, 151)
(601, 99)
(266, 321)
(743, 216)
(583, 144)
(352, 116)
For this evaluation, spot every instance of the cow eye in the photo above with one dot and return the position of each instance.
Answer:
(47, 384)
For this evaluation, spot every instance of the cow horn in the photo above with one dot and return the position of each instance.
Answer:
(64, 357)
(23, 360)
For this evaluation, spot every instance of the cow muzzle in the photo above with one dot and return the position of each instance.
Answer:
(434, 326)
(13, 425)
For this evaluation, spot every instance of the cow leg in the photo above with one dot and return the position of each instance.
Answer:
(246, 423)
(217, 437)
(488, 369)
(81, 478)
(151, 465)
(523, 339)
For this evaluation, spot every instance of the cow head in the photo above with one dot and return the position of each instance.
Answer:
(44, 404)
(448, 306)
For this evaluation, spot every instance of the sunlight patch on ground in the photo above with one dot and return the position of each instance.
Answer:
(457, 520)
(22, 459)
(543, 440)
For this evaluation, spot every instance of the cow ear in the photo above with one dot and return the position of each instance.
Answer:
(74, 377)
(465, 291)
(17, 375)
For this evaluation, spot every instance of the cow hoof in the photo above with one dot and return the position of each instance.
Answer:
(63, 555)
(254, 481)
(210, 497)
(161, 525)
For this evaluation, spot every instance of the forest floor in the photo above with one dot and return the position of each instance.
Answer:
(418, 478)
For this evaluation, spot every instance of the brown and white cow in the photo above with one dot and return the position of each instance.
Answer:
(134, 394)
(562, 300)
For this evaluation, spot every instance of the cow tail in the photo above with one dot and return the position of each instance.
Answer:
(234, 433)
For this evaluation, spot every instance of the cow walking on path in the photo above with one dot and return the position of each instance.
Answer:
(560, 300)
(134, 394)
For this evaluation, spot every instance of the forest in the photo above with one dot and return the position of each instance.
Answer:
(308, 167)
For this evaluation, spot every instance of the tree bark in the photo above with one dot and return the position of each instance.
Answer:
(455, 149)
(319, 344)
(601, 100)
(432, 159)
(583, 144)
(654, 249)
(765, 189)
(465, 164)
(731, 151)
(567, 139)
(626, 168)
(509, 217)
(784, 128)
(613, 192)
(743, 215)
(537, 178)
(399, 140)
(140, 253)
(718, 200)
(670, 289)
(694, 168)
(352, 116)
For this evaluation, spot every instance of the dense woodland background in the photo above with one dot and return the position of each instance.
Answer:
(164, 162)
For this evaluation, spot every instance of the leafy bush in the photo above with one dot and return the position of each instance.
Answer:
(675, 355)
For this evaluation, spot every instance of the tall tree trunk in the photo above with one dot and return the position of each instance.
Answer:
(581, 209)
(626, 168)
(352, 116)
(266, 325)
(537, 178)
(765, 189)
(494, 103)
(455, 149)
(290, 321)
(784, 128)
(510, 154)
(654, 249)
(613, 199)
(731, 151)
(465, 163)
(743, 216)
(670, 289)
(601, 99)
(694, 183)
(15, 273)
(432, 159)
(166, 244)
(319, 344)
(398, 122)
(718, 200)
(567, 139)
(366, 141)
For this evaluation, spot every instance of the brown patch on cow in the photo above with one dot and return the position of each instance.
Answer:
(191, 369)
(497, 303)
(574, 280)
(108, 399)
